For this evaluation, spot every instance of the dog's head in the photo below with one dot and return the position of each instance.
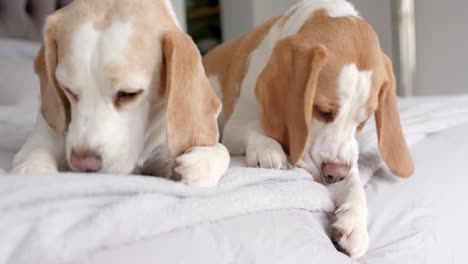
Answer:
(111, 71)
(321, 86)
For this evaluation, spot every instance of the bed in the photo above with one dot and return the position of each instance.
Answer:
(257, 216)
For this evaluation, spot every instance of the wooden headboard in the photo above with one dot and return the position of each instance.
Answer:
(23, 19)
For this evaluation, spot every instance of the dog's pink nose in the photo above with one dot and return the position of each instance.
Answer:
(334, 172)
(85, 160)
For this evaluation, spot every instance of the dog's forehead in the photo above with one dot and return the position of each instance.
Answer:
(87, 50)
(104, 11)
(116, 55)
(347, 84)
(354, 61)
(354, 89)
(114, 37)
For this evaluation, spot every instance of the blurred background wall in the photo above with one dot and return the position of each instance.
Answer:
(442, 46)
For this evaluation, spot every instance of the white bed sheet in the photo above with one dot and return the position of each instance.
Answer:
(423, 217)
(419, 220)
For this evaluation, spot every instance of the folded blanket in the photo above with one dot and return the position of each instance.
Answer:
(54, 219)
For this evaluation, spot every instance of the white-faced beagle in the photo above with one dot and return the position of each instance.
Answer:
(303, 84)
(123, 87)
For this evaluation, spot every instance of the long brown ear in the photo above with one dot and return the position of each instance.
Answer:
(285, 92)
(55, 107)
(192, 105)
(392, 142)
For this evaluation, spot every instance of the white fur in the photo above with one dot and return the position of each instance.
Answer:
(328, 142)
(42, 153)
(123, 137)
(336, 142)
(93, 122)
(303, 9)
(203, 166)
(265, 152)
(350, 227)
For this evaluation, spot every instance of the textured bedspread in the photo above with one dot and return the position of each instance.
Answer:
(261, 216)
(55, 219)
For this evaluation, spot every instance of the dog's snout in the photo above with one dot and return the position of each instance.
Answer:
(85, 160)
(334, 172)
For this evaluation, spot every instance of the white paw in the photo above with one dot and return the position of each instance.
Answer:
(203, 166)
(34, 168)
(349, 232)
(265, 152)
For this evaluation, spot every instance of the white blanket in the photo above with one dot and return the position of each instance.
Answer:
(58, 218)
(51, 219)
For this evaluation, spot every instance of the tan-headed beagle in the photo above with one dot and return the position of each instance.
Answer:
(303, 84)
(123, 87)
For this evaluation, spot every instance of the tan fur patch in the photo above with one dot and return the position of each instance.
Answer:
(230, 61)
(192, 106)
(286, 94)
(55, 107)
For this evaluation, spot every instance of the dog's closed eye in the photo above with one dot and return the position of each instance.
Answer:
(125, 97)
(324, 115)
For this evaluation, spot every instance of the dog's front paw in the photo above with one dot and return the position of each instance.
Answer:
(203, 166)
(349, 232)
(30, 167)
(265, 152)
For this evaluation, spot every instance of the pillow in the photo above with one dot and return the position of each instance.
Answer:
(19, 85)
(18, 50)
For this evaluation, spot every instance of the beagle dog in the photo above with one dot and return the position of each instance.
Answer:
(303, 85)
(123, 90)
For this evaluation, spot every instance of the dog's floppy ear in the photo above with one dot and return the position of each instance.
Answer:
(285, 92)
(55, 107)
(192, 106)
(392, 142)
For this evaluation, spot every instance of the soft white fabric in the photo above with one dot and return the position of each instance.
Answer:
(15, 126)
(51, 216)
(18, 84)
(17, 50)
(420, 118)
(422, 219)
(53, 219)
(423, 116)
